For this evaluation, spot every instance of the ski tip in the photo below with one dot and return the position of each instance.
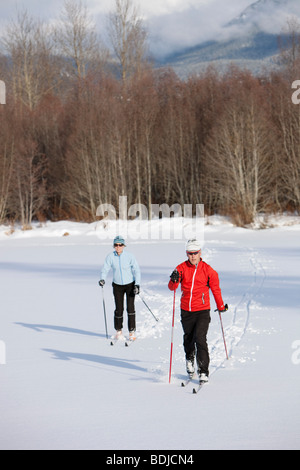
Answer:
(182, 384)
(194, 391)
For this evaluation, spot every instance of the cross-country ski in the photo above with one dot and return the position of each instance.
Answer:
(199, 387)
(187, 381)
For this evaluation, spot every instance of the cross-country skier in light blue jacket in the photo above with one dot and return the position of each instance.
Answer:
(126, 280)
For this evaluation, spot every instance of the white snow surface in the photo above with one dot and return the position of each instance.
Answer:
(62, 386)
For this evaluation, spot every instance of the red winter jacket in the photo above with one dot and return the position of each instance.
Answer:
(195, 284)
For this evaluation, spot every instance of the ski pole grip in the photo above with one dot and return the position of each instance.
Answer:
(225, 309)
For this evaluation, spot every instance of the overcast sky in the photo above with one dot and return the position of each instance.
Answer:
(149, 8)
(172, 24)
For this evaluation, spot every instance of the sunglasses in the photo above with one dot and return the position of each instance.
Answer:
(118, 245)
(191, 253)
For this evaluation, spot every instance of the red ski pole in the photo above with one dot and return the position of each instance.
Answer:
(223, 336)
(173, 322)
(226, 308)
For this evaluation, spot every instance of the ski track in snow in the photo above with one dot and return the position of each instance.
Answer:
(240, 321)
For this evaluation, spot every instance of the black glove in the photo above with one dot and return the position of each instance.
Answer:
(175, 276)
(136, 289)
(225, 308)
(101, 283)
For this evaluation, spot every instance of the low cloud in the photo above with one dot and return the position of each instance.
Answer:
(179, 30)
(212, 21)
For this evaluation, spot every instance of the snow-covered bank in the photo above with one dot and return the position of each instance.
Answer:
(64, 387)
(176, 228)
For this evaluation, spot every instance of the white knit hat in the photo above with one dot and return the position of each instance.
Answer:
(193, 245)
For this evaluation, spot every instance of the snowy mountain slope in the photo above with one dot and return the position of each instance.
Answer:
(255, 51)
(250, 40)
(265, 9)
(64, 387)
(259, 8)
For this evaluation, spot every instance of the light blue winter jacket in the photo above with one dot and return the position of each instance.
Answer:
(125, 268)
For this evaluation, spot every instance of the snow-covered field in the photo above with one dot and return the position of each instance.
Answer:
(62, 386)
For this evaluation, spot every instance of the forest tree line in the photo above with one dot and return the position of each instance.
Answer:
(80, 129)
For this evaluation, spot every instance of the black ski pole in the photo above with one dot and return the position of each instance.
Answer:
(104, 310)
(148, 307)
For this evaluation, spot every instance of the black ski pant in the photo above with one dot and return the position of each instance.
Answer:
(195, 327)
(119, 294)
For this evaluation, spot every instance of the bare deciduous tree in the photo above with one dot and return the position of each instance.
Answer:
(289, 44)
(77, 39)
(240, 154)
(33, 71)
(286, 117)
(7, 155)
(128, 37)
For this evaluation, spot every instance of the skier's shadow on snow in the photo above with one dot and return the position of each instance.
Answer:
(64, 329)
(108, 361)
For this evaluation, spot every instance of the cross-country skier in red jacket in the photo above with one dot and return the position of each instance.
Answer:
(196, 278)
